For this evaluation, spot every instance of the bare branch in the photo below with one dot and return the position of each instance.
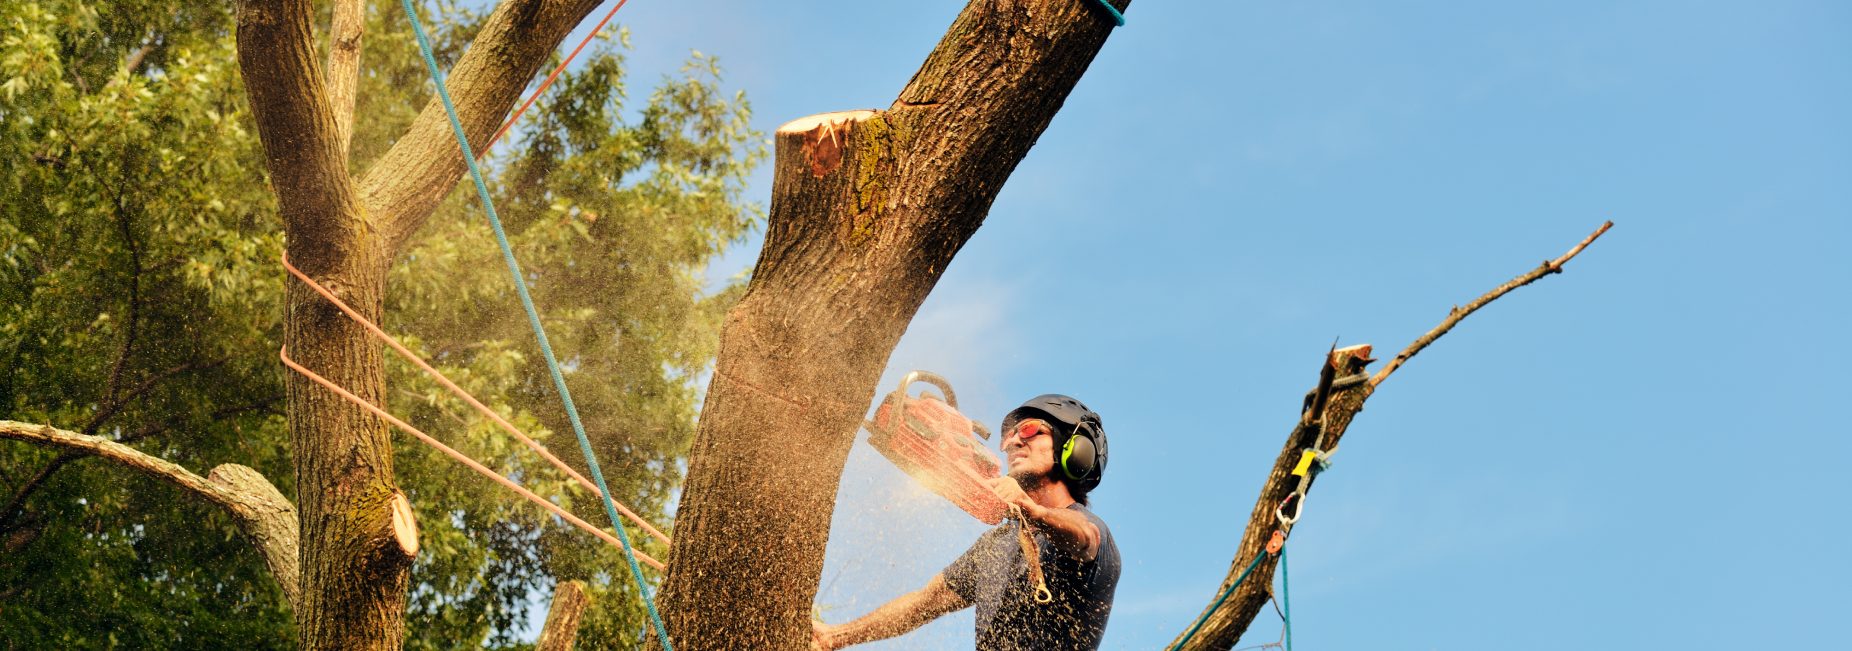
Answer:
(1223, 626)
(17, 505)
(1458, 314)
(132, 62)
(350, 21)
(406, 184)
(260, 510)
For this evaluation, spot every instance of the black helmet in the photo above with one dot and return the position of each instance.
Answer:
(1080, 445)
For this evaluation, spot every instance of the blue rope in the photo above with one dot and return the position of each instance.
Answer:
(1118, 19)
(1286, 600)
(1218, 600)
(533, 320)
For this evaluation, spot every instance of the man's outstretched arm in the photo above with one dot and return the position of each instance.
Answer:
(903, 614)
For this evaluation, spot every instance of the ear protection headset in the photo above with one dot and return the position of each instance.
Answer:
(1080, 446)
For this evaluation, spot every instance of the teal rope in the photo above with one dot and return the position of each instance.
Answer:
(1218, 600)
(533, 321)
(1118, 19)
(1286, 600)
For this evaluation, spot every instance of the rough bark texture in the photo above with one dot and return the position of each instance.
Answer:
(355, 556)
(868, 207)
(262, 513)
(569, 603)
(1223, 626)
(349, 23)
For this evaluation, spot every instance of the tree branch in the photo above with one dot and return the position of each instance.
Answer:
(406, 184)
(1458, 314)
(17, 505)
(289, 100)
(349, 24)
(261, 511)
(132, 62)
(1223, 626)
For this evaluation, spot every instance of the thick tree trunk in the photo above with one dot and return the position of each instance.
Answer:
(354, 572)
(868, 207)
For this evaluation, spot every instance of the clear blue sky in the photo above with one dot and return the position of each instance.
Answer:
(1640, 453)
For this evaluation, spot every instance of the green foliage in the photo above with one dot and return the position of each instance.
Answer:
(137, 295)
(135, 211)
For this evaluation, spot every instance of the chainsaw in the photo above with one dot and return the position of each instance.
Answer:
(940, 448)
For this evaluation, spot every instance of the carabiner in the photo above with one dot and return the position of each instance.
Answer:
(1296, 500)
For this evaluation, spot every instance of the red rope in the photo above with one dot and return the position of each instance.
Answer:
(460, 393)
(550, 78)
(460, 457)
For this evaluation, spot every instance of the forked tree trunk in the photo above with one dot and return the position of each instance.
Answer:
(358, 539)
(868, 207)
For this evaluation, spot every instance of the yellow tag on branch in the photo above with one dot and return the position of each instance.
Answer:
(1305, 463)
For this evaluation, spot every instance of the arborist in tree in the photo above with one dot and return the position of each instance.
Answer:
(1057, 454)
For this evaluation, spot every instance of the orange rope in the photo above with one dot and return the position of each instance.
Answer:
(460, 393)
(459, 456)
(550, 78)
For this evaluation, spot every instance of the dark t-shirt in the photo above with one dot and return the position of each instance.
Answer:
(993, 576)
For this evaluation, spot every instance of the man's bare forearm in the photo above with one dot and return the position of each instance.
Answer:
(903, 614)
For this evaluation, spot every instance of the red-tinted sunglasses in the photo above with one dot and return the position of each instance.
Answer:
(1032, 428)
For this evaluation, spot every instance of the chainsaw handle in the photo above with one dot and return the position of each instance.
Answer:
(933, 379)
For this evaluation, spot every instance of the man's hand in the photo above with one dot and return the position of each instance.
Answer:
(1070, 531)
(1012, 494)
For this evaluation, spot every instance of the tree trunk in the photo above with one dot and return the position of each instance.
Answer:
(569, 602)
(357, 536)
(868, 207)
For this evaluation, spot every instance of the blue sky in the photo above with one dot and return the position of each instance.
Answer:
(1638, 453)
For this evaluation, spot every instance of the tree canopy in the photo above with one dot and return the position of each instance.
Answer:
(141, 300)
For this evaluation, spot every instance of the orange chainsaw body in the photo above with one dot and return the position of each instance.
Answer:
(938, 446)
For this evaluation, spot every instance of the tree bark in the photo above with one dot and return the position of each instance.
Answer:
(569, 603)
(266, 518)
(1222, 627)
(868, 207)
(355, 555)
(345, 31)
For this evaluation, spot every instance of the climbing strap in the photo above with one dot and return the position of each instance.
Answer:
(533, 320)
(1032, 556)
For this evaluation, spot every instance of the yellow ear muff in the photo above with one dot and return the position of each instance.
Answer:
(1077, 457)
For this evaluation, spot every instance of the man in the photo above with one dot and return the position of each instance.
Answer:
(1057, 454)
